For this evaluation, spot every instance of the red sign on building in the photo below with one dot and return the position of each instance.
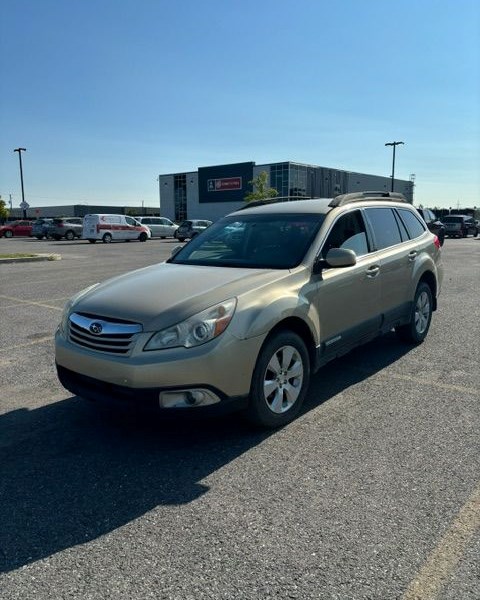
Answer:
(224, 184)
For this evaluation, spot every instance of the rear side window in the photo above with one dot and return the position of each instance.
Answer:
(385, 228)
(414, 226)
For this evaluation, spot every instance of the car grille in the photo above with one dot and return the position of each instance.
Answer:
(102, 334)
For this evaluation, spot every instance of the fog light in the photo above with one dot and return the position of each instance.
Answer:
(187, 398)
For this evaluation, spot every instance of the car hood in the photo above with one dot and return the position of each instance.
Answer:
(162, 295)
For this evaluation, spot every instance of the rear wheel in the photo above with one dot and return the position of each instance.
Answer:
(416, 330)
(280, 380)
(92, 241)
(107, 238)
(69, 236)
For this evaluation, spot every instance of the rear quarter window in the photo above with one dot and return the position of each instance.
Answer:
(414, 226)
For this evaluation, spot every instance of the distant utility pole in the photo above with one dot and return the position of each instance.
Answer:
(23, 205)
(394, 144)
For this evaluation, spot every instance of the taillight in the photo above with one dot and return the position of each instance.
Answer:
(437, 243)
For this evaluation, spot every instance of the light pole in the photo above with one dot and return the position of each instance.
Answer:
(23, 205)
(394, 144)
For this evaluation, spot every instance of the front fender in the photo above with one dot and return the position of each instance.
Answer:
(260, 319)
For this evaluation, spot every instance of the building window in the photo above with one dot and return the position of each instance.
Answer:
(180, 196)
(279, 178)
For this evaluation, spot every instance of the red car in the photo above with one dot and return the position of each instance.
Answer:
(16, 228)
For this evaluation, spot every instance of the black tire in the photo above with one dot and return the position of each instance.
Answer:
(475, 233)
(39, 237)
(57, 237)
(69, 235)
(416, 330)
(143, 237)
(107, 238)
(181, 239)
(280, 381)
(8, 234)
(92, 241)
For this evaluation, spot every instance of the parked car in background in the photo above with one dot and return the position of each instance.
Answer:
(16, 229)
(40, 228)
(460, 226)
(190, 228)
(159, 226)
(243, 321)
(433, 223)
(65, 227)
(109, 228)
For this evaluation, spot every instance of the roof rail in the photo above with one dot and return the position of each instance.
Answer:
(361, 196)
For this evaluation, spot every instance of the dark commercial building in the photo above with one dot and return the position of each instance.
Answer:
(212, 192)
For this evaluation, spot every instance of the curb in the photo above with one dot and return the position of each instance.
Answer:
(36, 258)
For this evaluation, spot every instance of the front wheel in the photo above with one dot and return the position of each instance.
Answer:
(416, 330)
(92, 241)
(280, 381)
(143, 237)
(8, 234)
(107, 238)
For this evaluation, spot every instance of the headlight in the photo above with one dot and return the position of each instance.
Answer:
(196, 330)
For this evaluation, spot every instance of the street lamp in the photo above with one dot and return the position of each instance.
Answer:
(394, 144)
(23, 205)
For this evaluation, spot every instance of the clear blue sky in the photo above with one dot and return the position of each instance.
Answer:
(107, 94)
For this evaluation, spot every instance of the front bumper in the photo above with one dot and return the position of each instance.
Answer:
(224, 366)
(140, 399)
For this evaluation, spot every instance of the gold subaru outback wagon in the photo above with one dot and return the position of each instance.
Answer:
(242, 315)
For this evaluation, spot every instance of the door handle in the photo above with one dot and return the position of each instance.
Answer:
(412, 255)
(373, 271)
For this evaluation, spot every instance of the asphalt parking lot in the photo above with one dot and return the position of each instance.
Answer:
(372, 493)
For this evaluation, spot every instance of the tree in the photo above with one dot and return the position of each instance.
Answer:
(4, 212)
(261, 191)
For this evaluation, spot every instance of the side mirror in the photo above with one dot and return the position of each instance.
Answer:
(336, 258)
(341, 257)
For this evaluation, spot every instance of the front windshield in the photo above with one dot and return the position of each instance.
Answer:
(273, 241)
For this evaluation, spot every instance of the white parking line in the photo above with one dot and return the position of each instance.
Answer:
(41, 340)
(442, 561)
(421, 381)
(31, 302)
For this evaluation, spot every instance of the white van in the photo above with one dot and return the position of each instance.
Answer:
(113, 227)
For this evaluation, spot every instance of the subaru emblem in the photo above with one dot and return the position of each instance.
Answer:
(96, 328)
